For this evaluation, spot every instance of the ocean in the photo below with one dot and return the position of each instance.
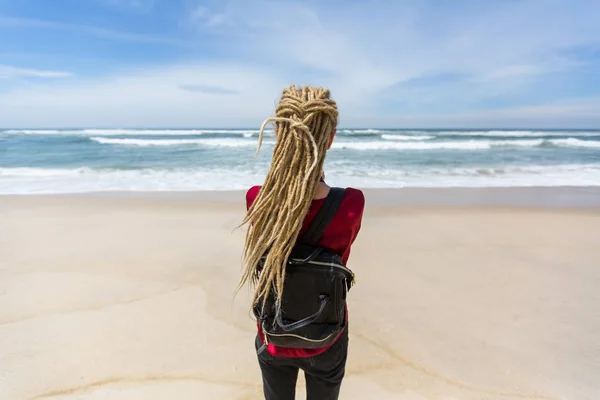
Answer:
(95, 160)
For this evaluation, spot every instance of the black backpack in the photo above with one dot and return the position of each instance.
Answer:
(312, 310)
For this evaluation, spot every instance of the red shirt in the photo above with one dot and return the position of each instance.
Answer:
(338, 237)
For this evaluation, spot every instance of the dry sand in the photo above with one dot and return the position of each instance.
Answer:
(126, 299)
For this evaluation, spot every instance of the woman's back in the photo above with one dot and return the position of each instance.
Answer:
(343, 228)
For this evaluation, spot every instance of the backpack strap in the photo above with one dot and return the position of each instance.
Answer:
(324, 216)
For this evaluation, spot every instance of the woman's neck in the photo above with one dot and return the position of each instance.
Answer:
(322, 191)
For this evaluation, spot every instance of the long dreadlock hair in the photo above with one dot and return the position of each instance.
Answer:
(305, 119)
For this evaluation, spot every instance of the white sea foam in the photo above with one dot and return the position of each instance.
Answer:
(389, 145)
(362, 131)
(81, 180)
(219, 167)
(406, 144)
(41, 180)
(32, 132)
(146, 142)
(26, 172)
(406, 137)
(499, 133)
(225, 142)
(517, 143)
(505, 133)
(123, 132)
(501, 176)
(458, 145)
(112, 132)
(496, 171)
(247, 133)
(573, 142)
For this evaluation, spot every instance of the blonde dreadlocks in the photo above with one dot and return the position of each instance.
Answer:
(305, 119)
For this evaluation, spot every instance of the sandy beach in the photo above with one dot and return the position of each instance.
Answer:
(128, 298)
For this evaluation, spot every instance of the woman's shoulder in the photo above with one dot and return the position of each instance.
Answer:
(355, 196)
(251, 195)
(252, 192)
(353, 204)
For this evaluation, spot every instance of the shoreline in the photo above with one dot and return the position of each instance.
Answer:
(521, 197)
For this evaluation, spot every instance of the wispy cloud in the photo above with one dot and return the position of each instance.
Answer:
(203, 16)
(372, 48)
(575, 114)
(150, 97)
(131, 3)
(111, 34)
(7, 71)
(208, 89)
(387, 63)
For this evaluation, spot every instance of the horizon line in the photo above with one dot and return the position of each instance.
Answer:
(258, 128)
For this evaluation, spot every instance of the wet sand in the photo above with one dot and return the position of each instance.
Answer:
(115, 297)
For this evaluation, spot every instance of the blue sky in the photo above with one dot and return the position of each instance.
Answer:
(223, 63)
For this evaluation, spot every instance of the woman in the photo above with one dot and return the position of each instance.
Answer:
(280, 212)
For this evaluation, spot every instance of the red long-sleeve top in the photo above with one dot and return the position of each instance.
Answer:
(338, 237)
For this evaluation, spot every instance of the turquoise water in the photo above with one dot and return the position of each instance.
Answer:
(61, 161)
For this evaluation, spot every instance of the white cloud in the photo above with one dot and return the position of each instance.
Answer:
(369, 47)
(578, 114)
(7, 71)
(134, 4)
(231, 96)
(205, 17)
(112, 34)
(148, 98)
(371, 55)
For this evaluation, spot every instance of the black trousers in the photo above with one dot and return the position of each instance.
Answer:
(323, 373)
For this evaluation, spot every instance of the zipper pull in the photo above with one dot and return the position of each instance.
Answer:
(265, 336)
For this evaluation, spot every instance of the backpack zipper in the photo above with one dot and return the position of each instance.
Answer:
(265, 334)
(326, 264)
(296, 336)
